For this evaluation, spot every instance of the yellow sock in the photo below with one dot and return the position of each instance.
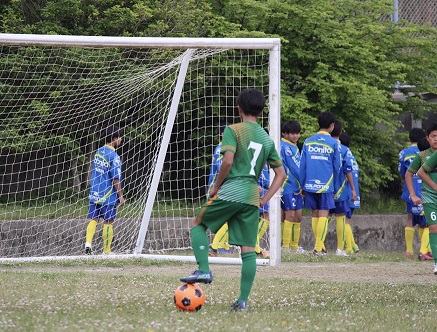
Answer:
(221, 238)
(354, 244)
(90, 230)
(322, 229)
(340, 229)
(424, 240)
(349, 238)
(286, 237)
(409, 235)
(295, 235)
(263, 225)
(282, 230)
(108, 234)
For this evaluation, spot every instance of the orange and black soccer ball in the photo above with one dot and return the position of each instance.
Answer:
(189, 297)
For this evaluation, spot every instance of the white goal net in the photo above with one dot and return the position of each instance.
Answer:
(169, 95)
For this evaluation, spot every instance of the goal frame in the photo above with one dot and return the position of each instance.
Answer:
(270, 44)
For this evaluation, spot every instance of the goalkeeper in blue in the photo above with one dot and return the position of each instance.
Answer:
(106, 192)
(235, 197)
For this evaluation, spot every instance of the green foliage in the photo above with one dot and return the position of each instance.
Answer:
(342, 56)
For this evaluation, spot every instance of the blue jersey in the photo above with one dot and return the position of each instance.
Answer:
(106, 167)
(355, 174)
(345, 191)
(217, 159)
(406, 157)
(320, 164)
(264, 183)
(264, 178)
(291, 161)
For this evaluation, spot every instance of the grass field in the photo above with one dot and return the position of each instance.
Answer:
(367, 292)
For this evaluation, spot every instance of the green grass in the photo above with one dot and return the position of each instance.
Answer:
(137, 295)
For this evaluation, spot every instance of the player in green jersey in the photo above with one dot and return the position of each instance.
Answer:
(235, 198)
(428, 174)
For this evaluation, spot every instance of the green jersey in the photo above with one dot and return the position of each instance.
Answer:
(252, 148)
(419, 160)
(429, 164)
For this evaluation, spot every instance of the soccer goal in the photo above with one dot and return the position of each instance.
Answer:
(169, 95)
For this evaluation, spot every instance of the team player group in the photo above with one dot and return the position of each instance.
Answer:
(323, 178)
(329, 174)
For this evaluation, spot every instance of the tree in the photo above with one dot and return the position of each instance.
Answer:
(345, 56)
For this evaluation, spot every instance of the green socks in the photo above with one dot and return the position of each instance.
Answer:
(433, 244)
(248, 271)
(200, 244)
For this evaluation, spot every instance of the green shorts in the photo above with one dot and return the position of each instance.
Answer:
(430, 210)
(242, 220)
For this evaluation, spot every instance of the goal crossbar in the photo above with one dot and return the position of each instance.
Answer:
(133, 42)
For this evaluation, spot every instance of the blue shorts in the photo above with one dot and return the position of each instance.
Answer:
(350, 213)
(340, 207)
(414, 209)
(324, 201)
(292, 202)
(419, 220)
(106, 212)
(265, 207)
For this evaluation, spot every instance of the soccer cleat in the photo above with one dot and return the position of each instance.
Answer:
(355, 248)
(197, 276)
(263, 254)
(213, 252)
(424, 257)
(340, 252)
(435, 269)
(88, 251)
(239, 306)
(223, 251)
(429, 253)
(408, 255)
(318, 253)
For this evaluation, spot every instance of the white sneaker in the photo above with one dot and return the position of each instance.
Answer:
(340, 252)
(299, 250)
(88, 249)
(435, 269)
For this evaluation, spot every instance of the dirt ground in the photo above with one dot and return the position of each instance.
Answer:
(390, 272)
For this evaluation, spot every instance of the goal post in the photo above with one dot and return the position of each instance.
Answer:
(170, 95)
